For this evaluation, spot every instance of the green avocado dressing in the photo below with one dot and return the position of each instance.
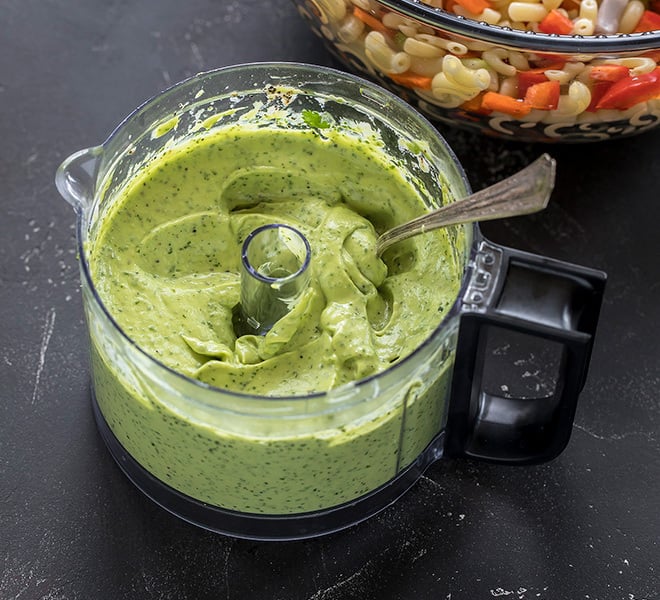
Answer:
(166, 263)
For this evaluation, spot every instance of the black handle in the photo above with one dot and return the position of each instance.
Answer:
(536, 296)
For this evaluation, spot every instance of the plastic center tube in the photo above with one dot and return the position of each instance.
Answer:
(274, 273)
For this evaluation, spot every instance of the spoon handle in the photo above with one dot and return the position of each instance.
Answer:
(524, 192)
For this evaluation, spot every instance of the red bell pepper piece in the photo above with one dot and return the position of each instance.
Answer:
(598, 90)
(650, 21)
(556, 22)
(527, 79)
(476, 7)
(608, 72)
(543, 95)
(631, 90)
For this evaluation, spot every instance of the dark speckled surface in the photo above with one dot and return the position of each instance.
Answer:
(586, 526)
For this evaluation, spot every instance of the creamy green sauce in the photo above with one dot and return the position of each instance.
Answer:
(166, 262)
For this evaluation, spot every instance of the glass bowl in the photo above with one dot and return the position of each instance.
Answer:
(463, 70)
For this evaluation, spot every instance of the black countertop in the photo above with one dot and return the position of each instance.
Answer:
(585, 526)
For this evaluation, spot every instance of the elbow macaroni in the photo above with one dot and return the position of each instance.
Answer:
(570, 104)
(495, 59)
(332, 9)
(631, 15)
(457, 83)
(530, 12)
(383, 57)
(583, 26)
(422, 49)
(588, 10)
(350, 29)
(426, 67)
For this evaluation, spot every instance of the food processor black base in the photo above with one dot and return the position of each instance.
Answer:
(256, 526)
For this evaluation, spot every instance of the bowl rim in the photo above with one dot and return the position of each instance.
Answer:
(528, 40)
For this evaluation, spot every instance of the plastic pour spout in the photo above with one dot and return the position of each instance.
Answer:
(275, 262)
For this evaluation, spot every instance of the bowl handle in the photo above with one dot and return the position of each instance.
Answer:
(535, 296)
(76, 177)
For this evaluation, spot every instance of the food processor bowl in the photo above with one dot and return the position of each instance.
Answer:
(289, 467)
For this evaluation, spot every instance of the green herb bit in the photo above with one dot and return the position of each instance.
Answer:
(314, 120)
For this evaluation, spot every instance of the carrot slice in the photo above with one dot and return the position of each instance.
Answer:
(475, 105)
(411, 80)
(505, 104)
(370, 21)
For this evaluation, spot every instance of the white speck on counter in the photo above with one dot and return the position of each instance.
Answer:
(349, 582)
(197, 55)
(419, 555)
(26, 581)
(614, 437)
(430, 481)
(519, 593)
(233, 13)
(45, 340)
(227, 556)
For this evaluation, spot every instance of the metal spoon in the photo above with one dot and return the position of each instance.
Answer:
(523, 193)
